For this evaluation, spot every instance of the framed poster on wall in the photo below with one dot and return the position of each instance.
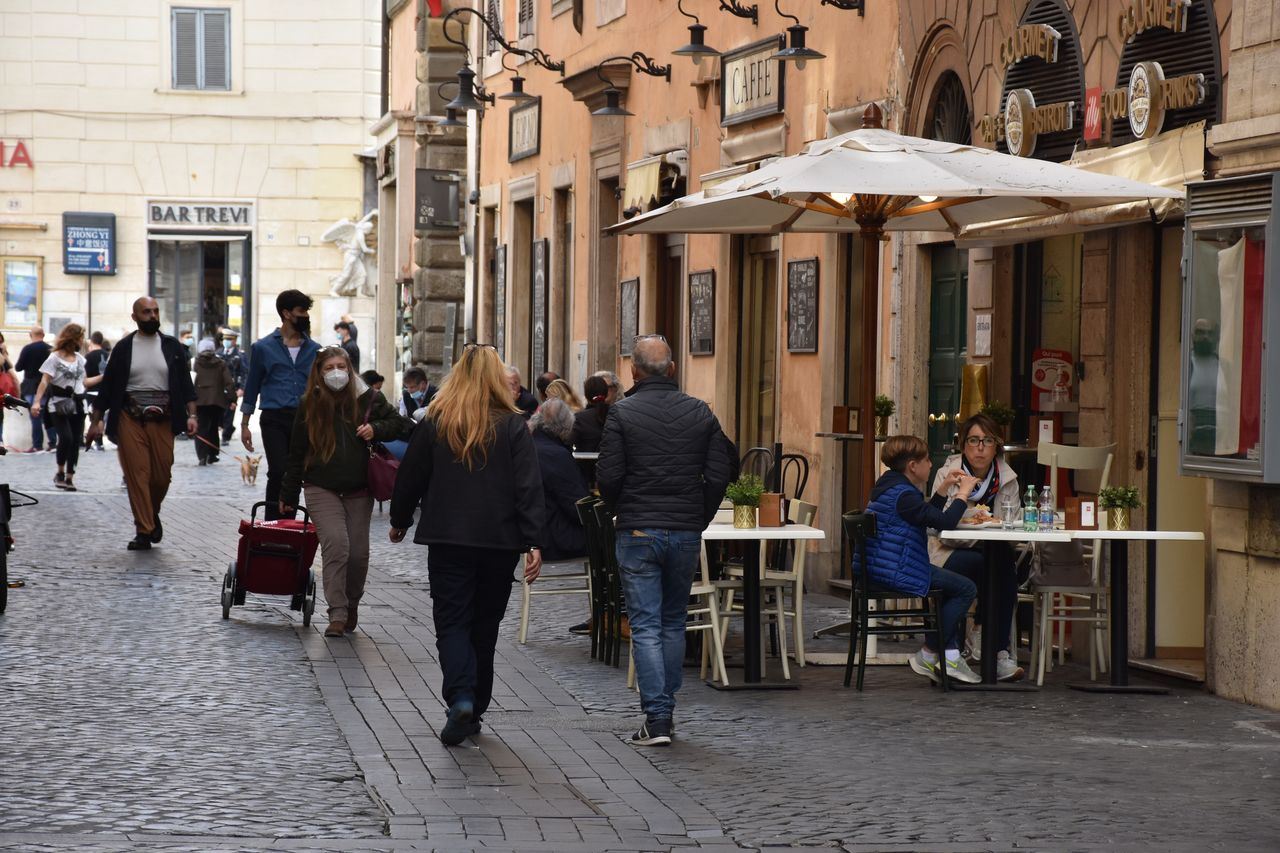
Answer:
(802, 305)
(500, 301)
(702, 312)
(538, 336)
(628, 315)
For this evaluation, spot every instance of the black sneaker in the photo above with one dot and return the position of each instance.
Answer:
(60, 480)
(459, 725)
(157, 532)
(581, 628)
(653, 733)
(141, 542)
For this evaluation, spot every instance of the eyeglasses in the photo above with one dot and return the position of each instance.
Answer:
(639, 338)
(470, 345)
(980, 441)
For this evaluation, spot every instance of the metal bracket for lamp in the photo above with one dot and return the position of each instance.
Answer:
(539, 57)
(733, 7)
(858, 6)
(612, 95)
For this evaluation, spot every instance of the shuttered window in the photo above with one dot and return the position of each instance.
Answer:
(494, 8)
(202, 49)
(526, 18)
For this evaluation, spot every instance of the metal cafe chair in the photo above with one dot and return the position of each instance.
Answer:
(613, 604)
(860, 527)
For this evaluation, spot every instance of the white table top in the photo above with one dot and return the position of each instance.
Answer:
(999, 535)
(1068, 535)
(586, 454)
(718, 530)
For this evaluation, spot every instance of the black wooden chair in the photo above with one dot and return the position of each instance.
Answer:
(860, 527)
(758, 461)
(595, 565)
(615, 607)
(795, 475)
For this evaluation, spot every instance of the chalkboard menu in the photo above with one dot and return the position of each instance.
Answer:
(702, 312)
(802, 305)
(628, 314)
(538, 345)
(500, 301)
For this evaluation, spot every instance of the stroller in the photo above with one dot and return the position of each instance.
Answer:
(274, 558)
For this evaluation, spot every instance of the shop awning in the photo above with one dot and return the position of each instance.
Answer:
(642, 183)
(1171, 160)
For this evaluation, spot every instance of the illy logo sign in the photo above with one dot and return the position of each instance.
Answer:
(1093, 114)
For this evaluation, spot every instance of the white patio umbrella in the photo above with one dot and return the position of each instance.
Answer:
(873, 180)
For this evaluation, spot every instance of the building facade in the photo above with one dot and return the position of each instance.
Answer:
(226, 142)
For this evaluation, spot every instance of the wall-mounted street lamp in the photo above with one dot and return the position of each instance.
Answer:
(468, 98)
(495, 32)
(696, 49)
(612, 96)
(733, 7)
(517, 95)
(858, 6)
(450, 113)
(795, 51)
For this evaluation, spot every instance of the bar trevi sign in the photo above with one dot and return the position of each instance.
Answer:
(199, 214)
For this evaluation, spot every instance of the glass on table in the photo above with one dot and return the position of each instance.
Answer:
(1010, 514)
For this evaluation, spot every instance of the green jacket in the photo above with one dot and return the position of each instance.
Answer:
(348, 469)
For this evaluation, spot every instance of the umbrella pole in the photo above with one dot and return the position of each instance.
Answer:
(871, 233)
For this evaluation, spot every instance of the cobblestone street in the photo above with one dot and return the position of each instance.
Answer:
(136, 719)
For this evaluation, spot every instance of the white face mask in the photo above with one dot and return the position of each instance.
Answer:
(336, 379)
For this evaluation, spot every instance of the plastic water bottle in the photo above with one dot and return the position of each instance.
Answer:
(1030, 516)
(1047, 509)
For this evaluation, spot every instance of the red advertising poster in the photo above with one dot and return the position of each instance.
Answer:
(1051, 371)
(1093, 114)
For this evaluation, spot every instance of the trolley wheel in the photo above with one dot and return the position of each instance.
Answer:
(309, 600)
(228, 590)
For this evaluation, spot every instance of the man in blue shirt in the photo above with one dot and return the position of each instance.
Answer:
(278, 368)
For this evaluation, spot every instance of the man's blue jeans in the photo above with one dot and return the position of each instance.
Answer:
(958, 593)
(37, 426)
(657, 573)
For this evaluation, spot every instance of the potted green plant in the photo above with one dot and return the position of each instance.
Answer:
(1118, 501)
(744, 493)
(999, 412)
(884, 409)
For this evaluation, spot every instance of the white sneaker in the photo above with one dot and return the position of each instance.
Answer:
(1007, 668)
(973, 643)
(959, 670)
(920, 665)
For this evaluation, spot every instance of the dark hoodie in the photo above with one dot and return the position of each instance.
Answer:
(215, 385)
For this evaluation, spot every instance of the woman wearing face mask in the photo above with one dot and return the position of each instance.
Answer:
(329, 461)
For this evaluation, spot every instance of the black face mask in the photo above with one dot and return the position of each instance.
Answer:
(148, 327)
(303, 325)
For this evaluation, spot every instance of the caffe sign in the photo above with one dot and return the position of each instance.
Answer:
(1022, 122)
(751, 84)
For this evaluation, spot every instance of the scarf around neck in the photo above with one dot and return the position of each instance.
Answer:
(989, 488)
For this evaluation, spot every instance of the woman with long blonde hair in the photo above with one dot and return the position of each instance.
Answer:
(329, 462)
(63, 379)
(471, 464)
(561, 390)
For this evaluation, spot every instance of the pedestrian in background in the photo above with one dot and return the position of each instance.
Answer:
(558, 389)
(64, 384)
(30, 360)
(524, 401)
(541, 383)
(588, 424)
(329, 462)
(215, 392)
(563, 536)
(8, 381)
(147, 397)
(94, 362)
(374, 380)
(279, 365)
(348, 343)
(615, 385)
(236, 363)
(418, 392)
(664, 466)
(471, 464)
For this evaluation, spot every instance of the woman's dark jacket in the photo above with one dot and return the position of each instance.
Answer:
(215, 386)
(587, 430)
(563, 536)
(115, 381)
(348, 469)
(496, 504)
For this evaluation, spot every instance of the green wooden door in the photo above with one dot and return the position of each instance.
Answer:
(948, 315)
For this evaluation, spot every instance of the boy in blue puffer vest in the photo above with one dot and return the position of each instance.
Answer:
(898, 556)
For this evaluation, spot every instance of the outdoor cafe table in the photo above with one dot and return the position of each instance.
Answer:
(1117, 602)
(726, 532)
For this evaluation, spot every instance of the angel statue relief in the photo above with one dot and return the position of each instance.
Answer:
(350, 238)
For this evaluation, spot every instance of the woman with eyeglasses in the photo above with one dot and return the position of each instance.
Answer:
(472, 466)
(329, 463)
(981, 455)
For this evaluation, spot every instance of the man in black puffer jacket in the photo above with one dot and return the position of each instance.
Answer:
(664, 465)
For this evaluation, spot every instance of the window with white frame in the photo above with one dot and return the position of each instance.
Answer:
(201, 40)
(525, 18)
(493, 11)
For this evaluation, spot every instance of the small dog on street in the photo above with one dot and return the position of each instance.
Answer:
(249, 468)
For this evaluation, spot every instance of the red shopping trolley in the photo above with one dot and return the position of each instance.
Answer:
(274, 558)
